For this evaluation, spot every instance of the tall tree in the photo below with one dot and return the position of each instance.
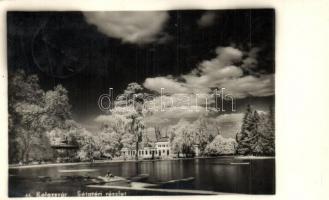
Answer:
(130, 104)
(256, 139)
(205, 132)
(257, 134)
(243, 137)
(136, 128)
(183, 137)
(25, 102)
(32, 113)
(57, 107)
(270, 133)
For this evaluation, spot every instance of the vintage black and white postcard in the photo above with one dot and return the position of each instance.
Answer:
(164, 99)
(116, 103)
(139, 103)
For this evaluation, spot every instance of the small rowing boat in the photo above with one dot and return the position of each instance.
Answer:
(111, 179)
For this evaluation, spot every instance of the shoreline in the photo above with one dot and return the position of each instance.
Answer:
(17, 166)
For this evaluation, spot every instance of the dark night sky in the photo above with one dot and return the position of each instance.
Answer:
(88, 62)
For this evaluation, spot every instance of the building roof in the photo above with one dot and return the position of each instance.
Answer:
(164, 139)
(65, 146)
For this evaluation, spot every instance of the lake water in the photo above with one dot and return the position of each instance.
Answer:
(229, 175)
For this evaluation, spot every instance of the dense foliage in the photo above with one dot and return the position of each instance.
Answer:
(33, 112)
(38, 117)
(221, 146)
(257, 134)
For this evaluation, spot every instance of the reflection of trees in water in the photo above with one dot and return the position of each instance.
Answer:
(197, 171)
(164, 170)
(232, 177)
(136, 168)
(209, 174)
(257, 177)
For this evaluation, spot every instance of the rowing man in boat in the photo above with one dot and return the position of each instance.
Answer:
(109, 174)
(109, 177)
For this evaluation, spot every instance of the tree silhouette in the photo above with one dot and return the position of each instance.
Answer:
(257, 134)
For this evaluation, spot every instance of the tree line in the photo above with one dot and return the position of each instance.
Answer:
(37, 116)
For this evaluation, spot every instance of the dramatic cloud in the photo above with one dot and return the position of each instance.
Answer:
(186, 96)
(207, 19)
(223, 71)
(229, 124)
(131, 26)
(169, 109)
(171, 86)
(251, 61)
(250, 86)
(172, 115)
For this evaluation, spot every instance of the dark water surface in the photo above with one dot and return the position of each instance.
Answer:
(212, 174)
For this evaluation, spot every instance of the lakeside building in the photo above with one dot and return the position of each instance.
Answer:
(160, 150)
(64, 150)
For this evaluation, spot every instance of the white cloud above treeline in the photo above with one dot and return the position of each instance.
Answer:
(170, 85)
(130, 26)
(223, 71)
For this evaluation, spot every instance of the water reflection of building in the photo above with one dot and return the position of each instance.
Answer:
(196, 150)
(160, 149)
